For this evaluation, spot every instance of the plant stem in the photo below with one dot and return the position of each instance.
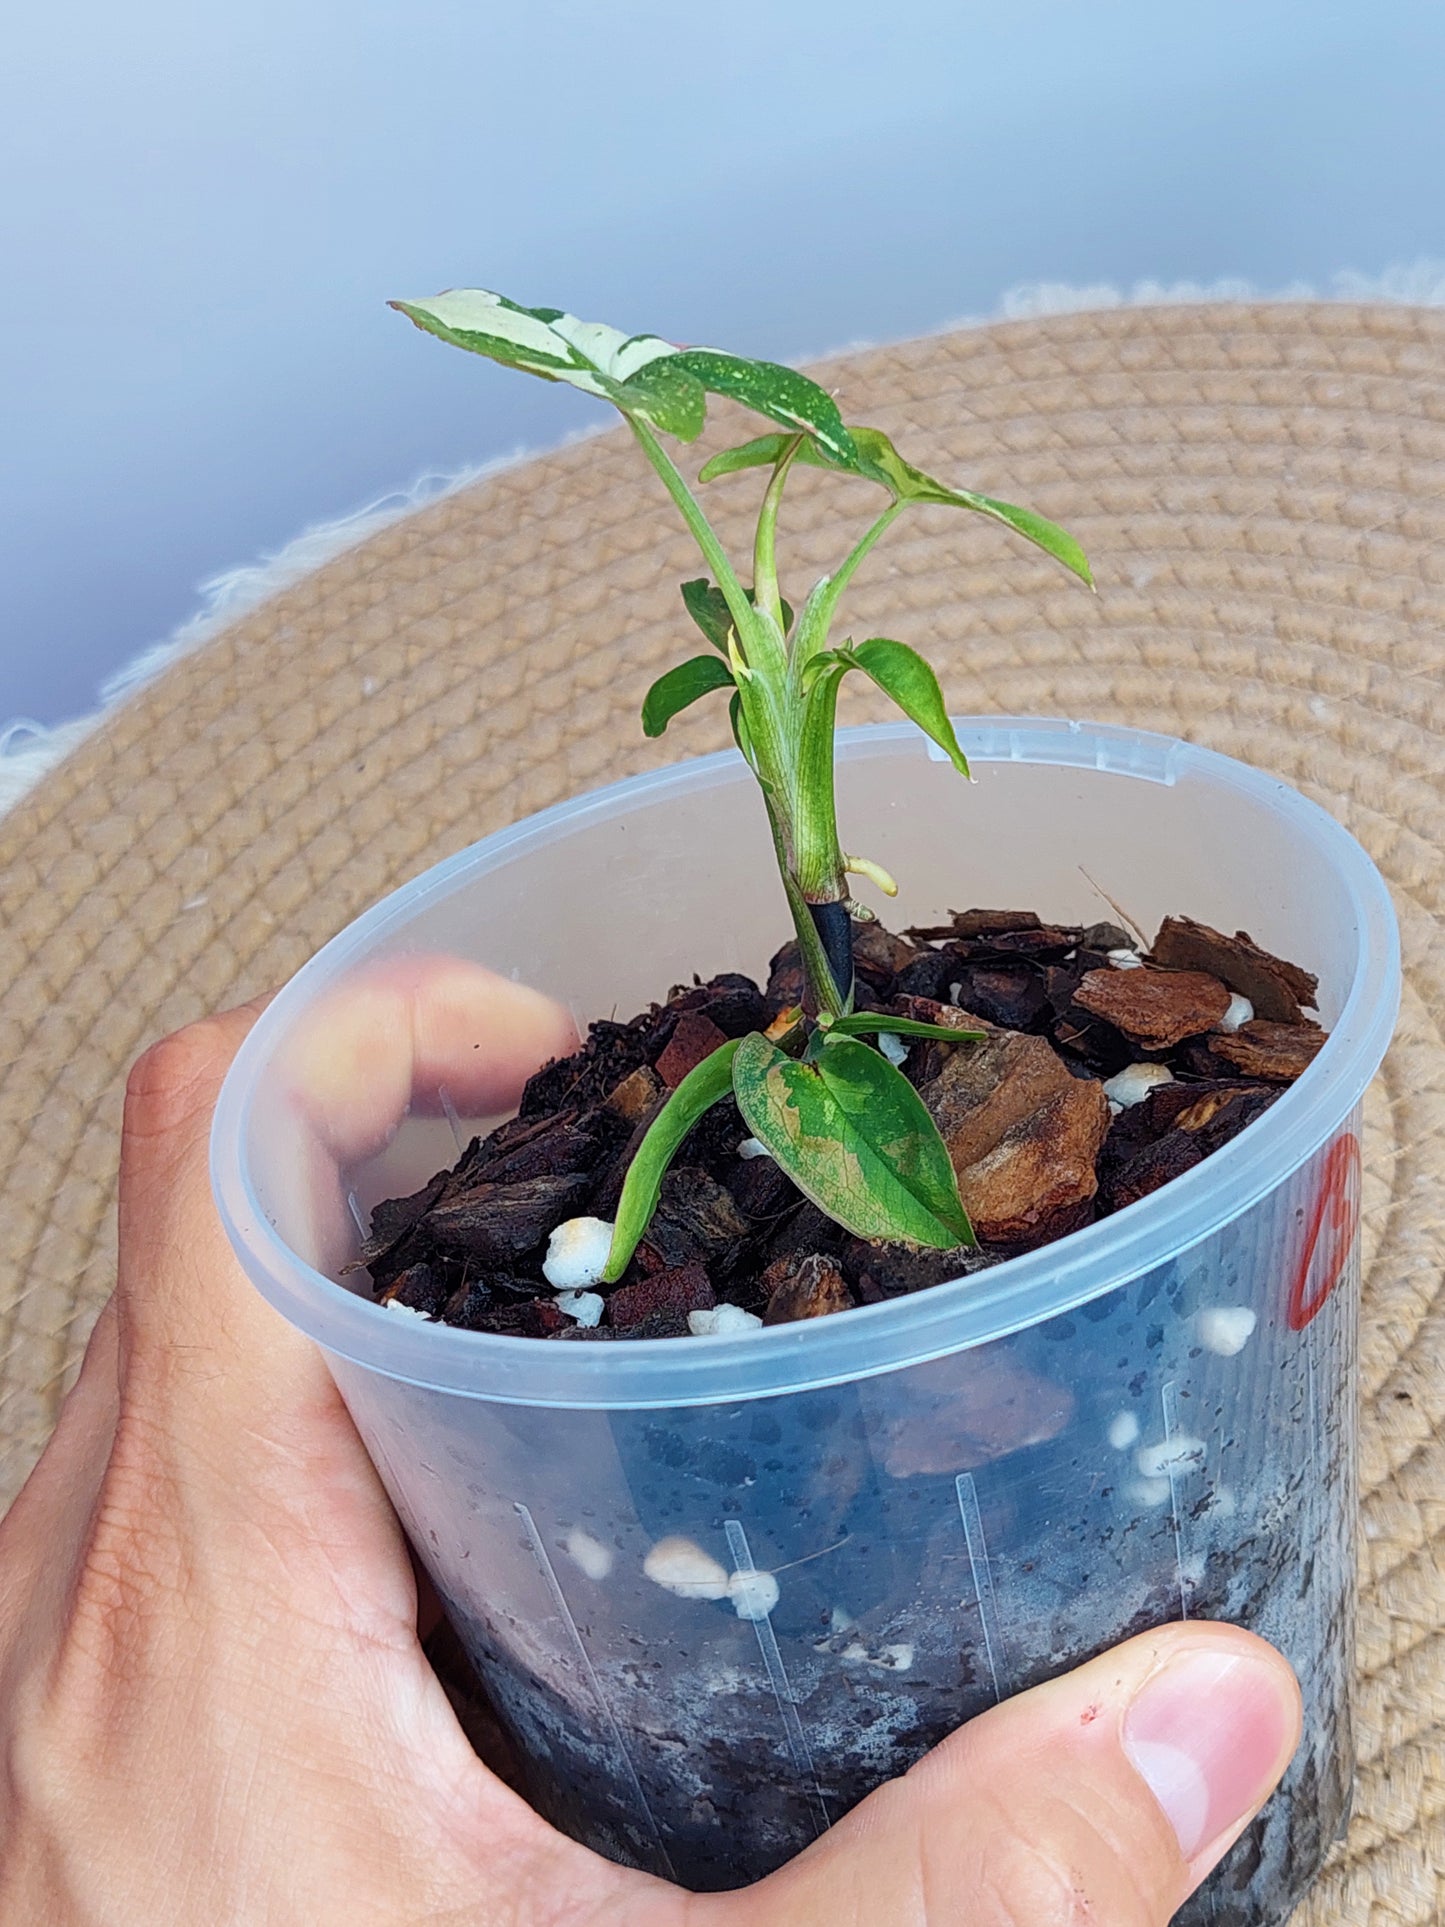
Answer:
(825, 994)
(813, 634)
(817, 855)
(765, 566)
(716, 557)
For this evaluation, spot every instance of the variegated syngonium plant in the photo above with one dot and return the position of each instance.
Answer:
(841, 1120)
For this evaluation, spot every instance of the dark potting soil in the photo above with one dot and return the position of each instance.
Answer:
(1039, 1148)
(687, 1736)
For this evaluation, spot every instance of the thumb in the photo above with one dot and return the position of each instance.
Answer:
(1105, 1795)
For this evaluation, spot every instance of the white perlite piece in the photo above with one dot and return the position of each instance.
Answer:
(395, 1304)
(586, 1307)
(895, 1659)
(893, 1047)
(1225, 1329)
(753, 1147)
(1239, 1012)
(1134, 1083)
(1123, 1431)
(888, 1659)
(577, 1253)
(722, 1321)
(754, 1594)
(1125, 959)
(590, 1554)
(1179, 1454)
(1147, 1491)
(683, 1568)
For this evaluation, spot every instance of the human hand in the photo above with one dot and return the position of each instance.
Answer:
(215, 1707)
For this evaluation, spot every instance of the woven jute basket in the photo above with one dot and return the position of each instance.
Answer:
(1261, 490)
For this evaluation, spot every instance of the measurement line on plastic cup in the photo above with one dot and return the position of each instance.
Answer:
(449, 1112)
(982, 1578)
(623, 1763)
(778, 1679)
(1168, 1400)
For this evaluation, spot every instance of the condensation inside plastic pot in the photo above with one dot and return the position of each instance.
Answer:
(719, 1588)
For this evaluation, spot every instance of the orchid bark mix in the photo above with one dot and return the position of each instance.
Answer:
(842, 1121)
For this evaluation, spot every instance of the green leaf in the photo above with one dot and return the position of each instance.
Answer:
(854, 1136)
(900, 672)
(708, 607)
(703, 1087)
(877, 460)
(782, 394)
(667, 396)
(679, 687)
(740, 731)
(765, 453)
(864, 1023)
(880, 460)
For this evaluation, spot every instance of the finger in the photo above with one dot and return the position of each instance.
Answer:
(413, 1035)
(229, 1395)
(351, 1073)
(43, 1533)
(1105, 1795)
(395, 1037)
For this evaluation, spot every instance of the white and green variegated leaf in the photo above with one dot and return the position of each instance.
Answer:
(634, 372)
(856, 1138)
(782, 394)
(643, 375)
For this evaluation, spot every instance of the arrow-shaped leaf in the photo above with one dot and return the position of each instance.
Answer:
(877, 460)
(855, 1137)
(881, 460)
(705, 1085)
(680, 687)
(900, 672)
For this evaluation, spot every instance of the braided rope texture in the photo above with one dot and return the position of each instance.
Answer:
(1262, 492)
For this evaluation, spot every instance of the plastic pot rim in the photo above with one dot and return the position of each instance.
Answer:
(868, 1340)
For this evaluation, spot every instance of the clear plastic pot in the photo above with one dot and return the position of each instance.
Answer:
(958, 1493)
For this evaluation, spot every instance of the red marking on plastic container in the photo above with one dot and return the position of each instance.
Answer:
(1334, 1224)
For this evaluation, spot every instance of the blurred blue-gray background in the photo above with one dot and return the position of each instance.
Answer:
(204, 210)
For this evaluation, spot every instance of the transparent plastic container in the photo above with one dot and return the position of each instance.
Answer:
(959, 1493)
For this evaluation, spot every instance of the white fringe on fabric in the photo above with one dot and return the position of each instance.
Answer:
(28, 749)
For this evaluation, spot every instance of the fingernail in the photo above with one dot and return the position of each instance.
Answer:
(1208, 1734)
